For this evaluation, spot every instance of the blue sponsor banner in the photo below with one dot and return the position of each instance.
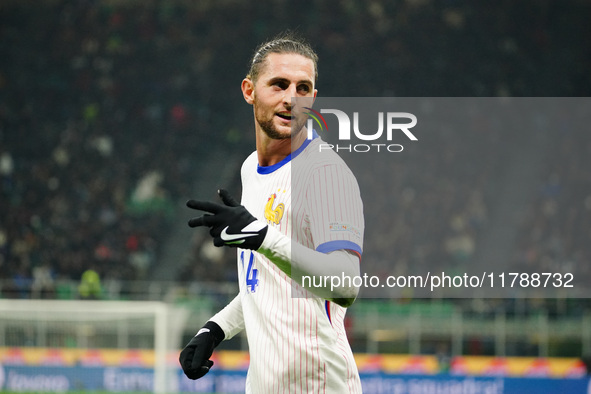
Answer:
(378, 383)
(129, 379)
(216, 381)
(63, 379)
(382, 383)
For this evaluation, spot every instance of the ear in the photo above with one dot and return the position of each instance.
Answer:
(313, 98)
(248, 90)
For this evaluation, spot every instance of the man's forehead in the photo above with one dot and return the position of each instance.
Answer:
(288, 65)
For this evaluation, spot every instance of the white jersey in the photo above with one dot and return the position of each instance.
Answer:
(298, 345)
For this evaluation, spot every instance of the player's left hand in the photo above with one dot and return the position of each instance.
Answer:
(230, 224)
(195, 357)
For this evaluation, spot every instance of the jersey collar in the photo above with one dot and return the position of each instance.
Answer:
(269, 169)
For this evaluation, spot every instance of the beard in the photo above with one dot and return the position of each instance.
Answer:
(271, 131)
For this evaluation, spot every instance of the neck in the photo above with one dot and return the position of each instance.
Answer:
(272, 151)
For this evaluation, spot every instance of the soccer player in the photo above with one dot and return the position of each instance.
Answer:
(300, 215)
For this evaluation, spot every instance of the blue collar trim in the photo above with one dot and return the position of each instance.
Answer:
(269, 169)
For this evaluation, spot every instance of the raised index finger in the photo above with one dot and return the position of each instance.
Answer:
(206, 206)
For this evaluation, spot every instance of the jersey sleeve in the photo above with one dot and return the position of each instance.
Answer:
(230, 319)
(336, 209)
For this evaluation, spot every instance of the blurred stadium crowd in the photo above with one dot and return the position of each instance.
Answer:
(110, 112)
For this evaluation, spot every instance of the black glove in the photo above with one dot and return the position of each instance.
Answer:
(195, 356)
(231, 224)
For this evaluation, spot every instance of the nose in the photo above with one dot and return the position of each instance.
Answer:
(290, 91)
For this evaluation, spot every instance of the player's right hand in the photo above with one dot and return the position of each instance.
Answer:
(195, 356)
(230, 223)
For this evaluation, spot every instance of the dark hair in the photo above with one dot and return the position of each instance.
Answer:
(287, 42)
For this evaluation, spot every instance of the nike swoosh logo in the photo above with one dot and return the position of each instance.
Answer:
(202, 331)
(232, 237)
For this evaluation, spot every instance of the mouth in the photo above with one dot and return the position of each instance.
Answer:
(284, 115)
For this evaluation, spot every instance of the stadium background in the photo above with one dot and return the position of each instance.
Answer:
(113, 113)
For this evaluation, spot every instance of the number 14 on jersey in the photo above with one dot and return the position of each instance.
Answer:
(252, 280)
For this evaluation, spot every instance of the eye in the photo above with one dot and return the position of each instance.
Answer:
(281, 85)
(304, 89)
